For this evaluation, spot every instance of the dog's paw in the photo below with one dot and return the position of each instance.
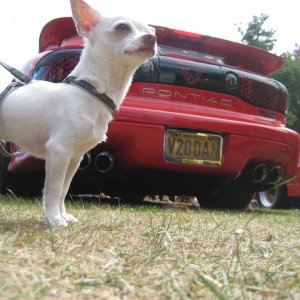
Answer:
(69, 218)
(58, 222)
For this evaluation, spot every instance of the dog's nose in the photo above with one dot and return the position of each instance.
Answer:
(149, 39)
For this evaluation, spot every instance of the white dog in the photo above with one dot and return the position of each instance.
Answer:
(59, 122)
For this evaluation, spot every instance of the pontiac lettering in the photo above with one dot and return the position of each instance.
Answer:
(186, 96)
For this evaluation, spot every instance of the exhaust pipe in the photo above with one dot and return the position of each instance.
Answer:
(104, 162)
(260, 173)
(86, 161)
(275, 175)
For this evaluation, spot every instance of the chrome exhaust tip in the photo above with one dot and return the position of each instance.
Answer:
(86, 161)
(275, 175)
(104, 162)
(260, 173)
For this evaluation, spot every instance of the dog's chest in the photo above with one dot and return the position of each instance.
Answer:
(91, 129)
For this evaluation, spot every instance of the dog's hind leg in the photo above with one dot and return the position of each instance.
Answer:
(57, 162)
(72, 168)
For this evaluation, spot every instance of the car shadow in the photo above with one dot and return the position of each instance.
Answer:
(21, 225)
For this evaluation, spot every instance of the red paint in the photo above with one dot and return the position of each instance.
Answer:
(293, 188)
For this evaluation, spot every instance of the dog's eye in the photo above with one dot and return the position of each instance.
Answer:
(123, 27)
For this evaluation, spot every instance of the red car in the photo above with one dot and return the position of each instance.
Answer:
(203, 119)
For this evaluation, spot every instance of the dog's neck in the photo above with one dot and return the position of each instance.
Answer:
(107, 76)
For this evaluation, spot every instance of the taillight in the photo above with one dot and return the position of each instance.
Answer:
(184, 35)
(179, 38)
(255, 89)
(57, 65)
(263, 92)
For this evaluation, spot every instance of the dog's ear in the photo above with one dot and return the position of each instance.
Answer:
(85, 17)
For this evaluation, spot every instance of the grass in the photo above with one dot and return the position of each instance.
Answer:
(123, 252)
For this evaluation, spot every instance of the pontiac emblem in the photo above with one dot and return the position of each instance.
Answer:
(191, 77)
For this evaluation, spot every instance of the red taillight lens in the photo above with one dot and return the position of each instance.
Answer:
(57, 65)
(179, 38)
(264, 92)
(185, 34)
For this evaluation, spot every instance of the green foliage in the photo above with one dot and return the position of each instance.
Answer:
(256, 36)
(289, 75)
(296, 52)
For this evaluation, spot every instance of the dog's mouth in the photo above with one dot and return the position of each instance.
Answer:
(145, 51)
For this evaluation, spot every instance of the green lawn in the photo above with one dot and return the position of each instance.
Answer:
(123, 252)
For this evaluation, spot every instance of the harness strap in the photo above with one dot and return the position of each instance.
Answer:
(109, 103)
(10, 88)
(16, 73)
(6, 153)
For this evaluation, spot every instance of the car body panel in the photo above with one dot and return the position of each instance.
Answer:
(293, 189)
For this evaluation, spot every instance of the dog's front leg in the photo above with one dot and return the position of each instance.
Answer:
(57, 161)
(72, 168)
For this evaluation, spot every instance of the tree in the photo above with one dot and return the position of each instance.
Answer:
(296, 52)
(256, 36)
(289, 75)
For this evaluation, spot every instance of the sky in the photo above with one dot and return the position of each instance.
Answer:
(21, 21)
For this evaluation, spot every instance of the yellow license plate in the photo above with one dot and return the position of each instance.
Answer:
(193, 148)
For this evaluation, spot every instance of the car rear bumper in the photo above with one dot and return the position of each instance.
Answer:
(141, 146)
(136, 141)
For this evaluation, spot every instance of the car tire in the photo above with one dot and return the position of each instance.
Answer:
(233, 197)
(275, 197)
(4, 176)
(2, 168)
(27, 185)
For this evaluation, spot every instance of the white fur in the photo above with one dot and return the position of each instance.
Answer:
(60, 122)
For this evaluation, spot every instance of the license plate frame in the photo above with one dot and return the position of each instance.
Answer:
(193, 147)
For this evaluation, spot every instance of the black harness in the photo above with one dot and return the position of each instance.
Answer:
(24, 80)
(16, 73)
(87, 87)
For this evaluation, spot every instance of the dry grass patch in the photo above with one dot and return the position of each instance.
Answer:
(122, 252)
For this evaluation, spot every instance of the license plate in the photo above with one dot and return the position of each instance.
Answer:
(193, 148)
